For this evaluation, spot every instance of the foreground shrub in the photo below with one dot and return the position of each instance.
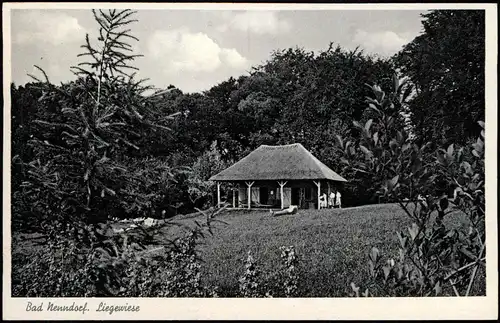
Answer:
(253, 284)
(55, 270)
(250, 281)
(433, 258)
(174, 273)
(291, 277)
(88, 166)
(117, 266)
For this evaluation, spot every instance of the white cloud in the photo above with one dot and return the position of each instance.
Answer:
(182, 50)
(381, 42)
(259, 22)
(233, 58)
(51, 27)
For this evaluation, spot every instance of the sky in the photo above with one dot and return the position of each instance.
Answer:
(197, 49)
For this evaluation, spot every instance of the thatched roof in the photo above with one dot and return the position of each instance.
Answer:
(287, 162)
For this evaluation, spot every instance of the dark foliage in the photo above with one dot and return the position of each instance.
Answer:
(432, 259)
(446, 66)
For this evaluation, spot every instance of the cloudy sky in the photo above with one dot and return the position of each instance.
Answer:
(196, 49)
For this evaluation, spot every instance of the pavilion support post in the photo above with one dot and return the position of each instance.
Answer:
(249, 192)
(234, 198)
(282, 184)
(328, 196)
(218, 194)
(318, 184)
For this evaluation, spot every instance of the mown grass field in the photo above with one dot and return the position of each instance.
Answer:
(332, 245)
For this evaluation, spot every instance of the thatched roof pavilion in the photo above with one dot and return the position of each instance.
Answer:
(291, 167)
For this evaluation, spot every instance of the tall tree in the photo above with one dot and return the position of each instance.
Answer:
(446, 65)
(87, 162)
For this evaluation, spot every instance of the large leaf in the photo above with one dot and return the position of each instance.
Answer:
(395, 81)
(389, 121)
(413, 230)
(368, 124)
(405, 147)
(394, 180)
(402, 239)
(366, 151)
(399, 136)
(374, 253)
(450, 151)
(340, 141)
(374, 108)
(406, 94)
(387, 271)
(357, 124)
(347, 144)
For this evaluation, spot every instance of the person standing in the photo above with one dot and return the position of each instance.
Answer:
(338, 201)
(331, 199)
(323, 201)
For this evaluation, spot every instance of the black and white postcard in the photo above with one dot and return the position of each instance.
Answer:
(249, 161)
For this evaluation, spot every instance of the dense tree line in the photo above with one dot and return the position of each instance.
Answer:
(446, 66)
(294, 97)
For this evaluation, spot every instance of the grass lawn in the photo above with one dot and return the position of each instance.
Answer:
(332, 245)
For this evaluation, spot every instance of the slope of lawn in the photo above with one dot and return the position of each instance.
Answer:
(332, 245)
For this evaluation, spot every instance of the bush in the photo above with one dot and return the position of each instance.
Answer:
(291, 278)
(250, 281)
(175, 273)
(129, 264)
(87, 167)
(55, 270)
(200, 189)
(253, 284)
(433, 259)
